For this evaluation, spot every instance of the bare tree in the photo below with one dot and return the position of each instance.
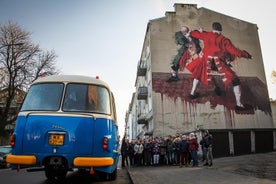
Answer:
(21, 62)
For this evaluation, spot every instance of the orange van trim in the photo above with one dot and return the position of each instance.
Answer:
(93, 162)
(21, 159)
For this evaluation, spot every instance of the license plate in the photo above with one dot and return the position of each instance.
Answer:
(56, 139)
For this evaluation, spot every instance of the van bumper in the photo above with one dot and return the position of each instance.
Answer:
(93, 161)
(21, 159)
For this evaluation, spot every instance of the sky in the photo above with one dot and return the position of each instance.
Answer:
(105, 37)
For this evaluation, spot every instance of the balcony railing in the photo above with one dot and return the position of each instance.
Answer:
(142, 93)
(141, 72)
(142, 119)
(141, 69)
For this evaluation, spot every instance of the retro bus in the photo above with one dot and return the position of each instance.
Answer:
(67, 122)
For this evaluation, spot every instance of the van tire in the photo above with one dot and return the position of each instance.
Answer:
(113, 175)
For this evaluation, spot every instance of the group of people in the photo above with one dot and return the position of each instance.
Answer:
(179, 150)
(213, 59)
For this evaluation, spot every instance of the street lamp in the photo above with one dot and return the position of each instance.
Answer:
(13, 44)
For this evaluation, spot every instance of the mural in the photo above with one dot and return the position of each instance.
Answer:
(205, 79)
(208, 57)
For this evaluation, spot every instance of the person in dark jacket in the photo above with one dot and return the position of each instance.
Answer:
(131, 152)
(183, 148)
(207, 142)
(170, 151)
(176, 143)
(147, 152)
(156, 154)
(124, 152)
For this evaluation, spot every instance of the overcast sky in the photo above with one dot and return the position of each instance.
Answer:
(105, 37)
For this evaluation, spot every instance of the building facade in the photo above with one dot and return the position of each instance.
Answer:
(161, 107)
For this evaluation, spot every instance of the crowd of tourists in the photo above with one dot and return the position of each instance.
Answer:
(179, 150)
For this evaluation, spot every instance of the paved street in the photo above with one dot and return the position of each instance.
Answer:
(9, 176)
(246, 169)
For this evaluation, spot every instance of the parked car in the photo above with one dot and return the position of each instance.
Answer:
(4, 151)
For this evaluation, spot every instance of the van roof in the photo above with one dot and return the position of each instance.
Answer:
(71, 78)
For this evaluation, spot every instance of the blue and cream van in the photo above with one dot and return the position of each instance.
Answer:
(67, 122)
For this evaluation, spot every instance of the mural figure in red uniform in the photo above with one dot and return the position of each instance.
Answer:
(217, 53)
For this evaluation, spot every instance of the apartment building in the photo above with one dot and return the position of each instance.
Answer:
(162, 107)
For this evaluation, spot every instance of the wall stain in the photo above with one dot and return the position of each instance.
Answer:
(254, 92)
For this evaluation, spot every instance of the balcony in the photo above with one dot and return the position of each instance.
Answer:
(142, 93)
(142, 119)
(141, 69)
(149, 133)
(141, 72)
(145, 118)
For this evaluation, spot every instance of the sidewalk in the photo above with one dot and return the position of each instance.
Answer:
(246, 169)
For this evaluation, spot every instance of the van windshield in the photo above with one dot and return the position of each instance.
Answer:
(43, 97)
(86, 98)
